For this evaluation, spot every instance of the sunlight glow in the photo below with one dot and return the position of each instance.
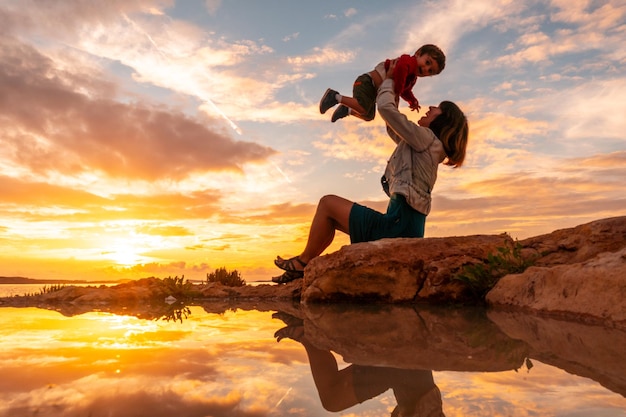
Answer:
(125, 254)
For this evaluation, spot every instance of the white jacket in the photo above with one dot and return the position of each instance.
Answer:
(412, 168)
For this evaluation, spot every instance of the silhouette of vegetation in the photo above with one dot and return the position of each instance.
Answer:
(482, 277)
(224, 277)
(46, 290)
(178, 287)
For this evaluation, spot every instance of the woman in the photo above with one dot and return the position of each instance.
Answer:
(440, 136)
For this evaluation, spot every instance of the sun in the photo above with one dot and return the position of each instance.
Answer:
(125, 253)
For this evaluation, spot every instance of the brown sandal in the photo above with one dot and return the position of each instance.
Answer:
(288, 276)
(289, 265)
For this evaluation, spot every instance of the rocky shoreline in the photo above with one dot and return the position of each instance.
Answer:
(577, 273)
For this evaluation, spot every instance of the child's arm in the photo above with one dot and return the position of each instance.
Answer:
(400, 75)
(408, 96)
(400, 72)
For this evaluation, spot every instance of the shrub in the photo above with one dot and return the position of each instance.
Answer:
(224, 277)
(177, 287)
(482, 277)
(46, 290)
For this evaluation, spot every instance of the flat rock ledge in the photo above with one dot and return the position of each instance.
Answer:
(578, 272)
(397, 270)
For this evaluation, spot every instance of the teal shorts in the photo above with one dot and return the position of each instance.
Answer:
(401, 220)
(364, 92)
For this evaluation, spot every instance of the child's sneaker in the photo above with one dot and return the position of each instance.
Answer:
(328, 100)
(341, 112)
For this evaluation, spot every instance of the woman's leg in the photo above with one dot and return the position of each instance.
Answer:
(333, 213)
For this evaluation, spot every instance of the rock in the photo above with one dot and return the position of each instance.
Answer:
(397, 270)
(289, 291)
(578, 244)
(594, 289)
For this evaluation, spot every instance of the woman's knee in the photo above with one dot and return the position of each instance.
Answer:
(333, 204)
(328, 200)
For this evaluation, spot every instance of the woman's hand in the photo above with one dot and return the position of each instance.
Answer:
(392, 66)
(389, 75)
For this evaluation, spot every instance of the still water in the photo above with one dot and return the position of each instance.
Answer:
(280, 359)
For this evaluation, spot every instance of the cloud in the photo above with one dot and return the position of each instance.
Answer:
(42, 19)
(164, 230)
(220, 75)
(212, 6)
(525, 203)
(358, 141)
(49, 125)
(450, 20)
(35, 201)
(351, 12)
(293, 36)
(322, 56)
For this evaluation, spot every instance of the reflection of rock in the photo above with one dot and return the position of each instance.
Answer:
(396, 270)
(413, 338)
(590, 351)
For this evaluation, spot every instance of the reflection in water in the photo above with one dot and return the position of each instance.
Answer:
(397, 348)
(176, 312)
(222, 360)
(414, 389)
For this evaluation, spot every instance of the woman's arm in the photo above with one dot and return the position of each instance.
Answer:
(399, 126)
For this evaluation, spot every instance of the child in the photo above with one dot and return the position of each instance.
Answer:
(428, 60)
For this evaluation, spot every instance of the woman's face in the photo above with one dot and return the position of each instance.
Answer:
(431, 114)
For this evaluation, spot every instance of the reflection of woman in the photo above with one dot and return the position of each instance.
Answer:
(415, 390)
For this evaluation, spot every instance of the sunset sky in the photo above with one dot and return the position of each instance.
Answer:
(161, 138)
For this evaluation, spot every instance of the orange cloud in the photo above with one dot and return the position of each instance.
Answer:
(50, 127)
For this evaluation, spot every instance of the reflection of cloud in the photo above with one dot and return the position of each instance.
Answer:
(129, 366)
(148, 400)
(550, 389)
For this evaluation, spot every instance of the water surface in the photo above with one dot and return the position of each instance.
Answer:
(217, 359)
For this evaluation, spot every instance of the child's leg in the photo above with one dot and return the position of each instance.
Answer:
(353, 104)
(363, 100)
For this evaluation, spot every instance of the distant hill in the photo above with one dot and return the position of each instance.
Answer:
(22, 280)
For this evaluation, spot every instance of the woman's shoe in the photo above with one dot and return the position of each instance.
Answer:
(288, 276)
(289, 264)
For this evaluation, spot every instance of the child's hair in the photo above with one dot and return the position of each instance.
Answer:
(452, 130)
(435, 52)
